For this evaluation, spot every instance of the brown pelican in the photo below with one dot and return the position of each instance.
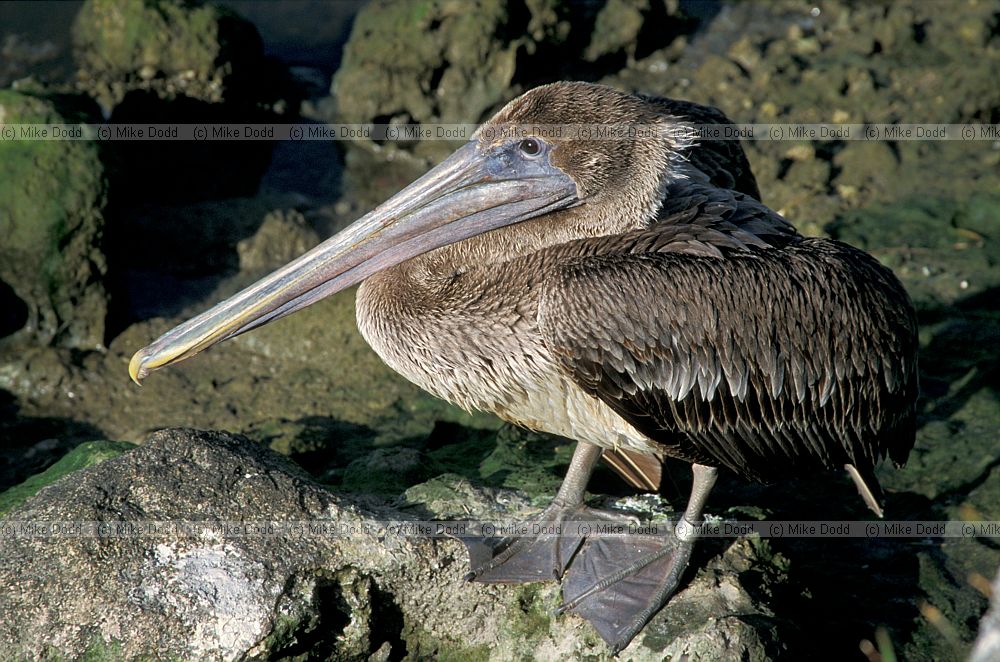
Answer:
(631, 294)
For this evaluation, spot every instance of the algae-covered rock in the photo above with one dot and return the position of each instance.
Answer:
(52, 195)
(624, 30)
(170, 47)
(445, 61)
(427, 61)
(437, 60)
(617, 26)
(944, 250)
(795, 62)
(84, 455)
(338, 581)
(150, 62)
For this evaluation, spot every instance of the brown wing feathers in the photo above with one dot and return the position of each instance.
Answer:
(748, 361)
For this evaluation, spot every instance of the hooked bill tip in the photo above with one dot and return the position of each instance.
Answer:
(135, 368)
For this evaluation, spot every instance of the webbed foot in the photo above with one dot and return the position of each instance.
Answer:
(540, 549)
(619, 583)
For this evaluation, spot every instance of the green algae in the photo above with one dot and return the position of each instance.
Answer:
(527, 461)
(85, 455)
(945, 250)
(533, 611)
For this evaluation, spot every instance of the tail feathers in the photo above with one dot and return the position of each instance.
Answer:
(868, 488)
(639, 470)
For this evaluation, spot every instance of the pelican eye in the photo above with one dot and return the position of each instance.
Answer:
(530, 147)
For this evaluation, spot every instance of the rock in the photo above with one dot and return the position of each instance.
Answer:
(171, 62)
(784, 64)
(433, 61)
(169, 47)
(930, 243)
(865, 164)
(215, 593)
(84, 455)
(282, 237)
(987, 646)
(451, 496)
(430, 61)
(617, 28)
(388, 471)
(52, 197)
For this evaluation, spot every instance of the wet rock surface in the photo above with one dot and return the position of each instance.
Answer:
(800, 63)
(310, 389)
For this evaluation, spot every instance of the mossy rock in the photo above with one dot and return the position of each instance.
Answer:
(86, 454)
(52, 195)
(171, 47)
(945, 251)
(429, 60)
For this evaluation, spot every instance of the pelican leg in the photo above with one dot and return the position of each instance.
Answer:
(540, 554)
(618, 584)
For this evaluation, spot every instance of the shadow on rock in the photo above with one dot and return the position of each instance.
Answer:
(962, 356)
(30, 444)
(155, 167)
(13, 311)
(319, 444)
(842, 585)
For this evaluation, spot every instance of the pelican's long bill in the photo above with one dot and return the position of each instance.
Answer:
(476, 189)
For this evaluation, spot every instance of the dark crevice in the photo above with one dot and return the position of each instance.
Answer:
(518, 19)
(387, 624)
(395, 117)
(659, 29)
(826, 151)
(783, 167)
(879, 80)
(13, 311)
(316, 638)
(894, 148)
(436, 77)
